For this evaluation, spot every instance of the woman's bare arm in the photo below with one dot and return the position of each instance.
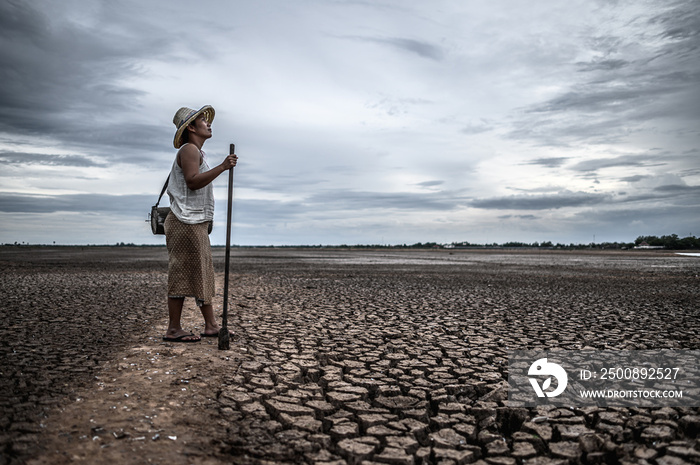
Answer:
(189, 160)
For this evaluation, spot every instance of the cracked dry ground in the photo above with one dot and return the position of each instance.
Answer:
(340, 357)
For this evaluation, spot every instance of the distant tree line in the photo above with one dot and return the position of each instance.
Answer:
(546, 245)
(669, 242)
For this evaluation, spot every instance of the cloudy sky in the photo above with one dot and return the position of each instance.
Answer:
(355, 122)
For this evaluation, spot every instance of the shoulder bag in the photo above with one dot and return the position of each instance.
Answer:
(158, 214)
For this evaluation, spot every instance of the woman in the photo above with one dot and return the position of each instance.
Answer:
(187, 227)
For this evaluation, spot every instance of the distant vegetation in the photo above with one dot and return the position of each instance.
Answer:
(666, 242)
(652, 242)
(672, 242)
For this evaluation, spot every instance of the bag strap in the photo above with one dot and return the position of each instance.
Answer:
(165, 186)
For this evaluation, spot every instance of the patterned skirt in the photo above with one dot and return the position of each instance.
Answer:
(190, 266)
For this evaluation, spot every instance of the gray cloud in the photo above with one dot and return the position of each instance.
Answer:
(339, 199)
(21, 158)
(602, 65)
(430, 183)
(668, 194)
(549, 162)
(259, 212)
(83, 203)
(421, 48)
(396, 106)
(677, 188)
(252, 210)
(633, 221)
(518, 217)
(681, 23)
(476, 128)
(541, 202)
(621, 161)
(635, 178)
(679, 195)
(65, 80)
(539, 190)
(638, 78)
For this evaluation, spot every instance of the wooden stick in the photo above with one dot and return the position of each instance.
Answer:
(224, 337)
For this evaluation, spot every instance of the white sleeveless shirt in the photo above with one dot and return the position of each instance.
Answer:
(190, 206)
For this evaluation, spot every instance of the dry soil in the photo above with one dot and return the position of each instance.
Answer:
(340, 356)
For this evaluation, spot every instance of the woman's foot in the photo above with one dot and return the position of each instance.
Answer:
(214, 333)
(181, 336)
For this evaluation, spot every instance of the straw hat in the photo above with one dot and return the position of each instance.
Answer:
(185, 116)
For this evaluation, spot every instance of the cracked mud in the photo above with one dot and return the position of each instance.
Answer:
(342, 357)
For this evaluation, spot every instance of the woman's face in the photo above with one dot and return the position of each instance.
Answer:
(201, 127)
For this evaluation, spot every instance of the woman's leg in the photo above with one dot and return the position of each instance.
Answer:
(210, 324)
(211, 327)
(174, 325)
